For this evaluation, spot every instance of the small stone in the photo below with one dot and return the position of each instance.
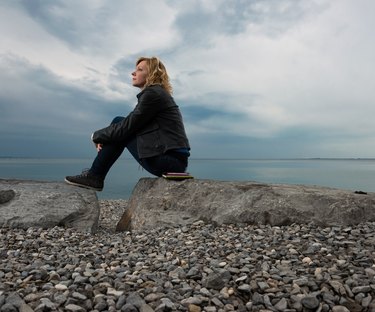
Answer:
(114, 292)
(249, 306)
(191, 300)
(46, 305)
(361, 289)
(263, 286)
(281, 305)
(217, 302)
(124, 270)
(366, 301)
(79, 296)
(257, 298)
(53, 276)
(217, 280)
(204, 291)
(245, 288)
(166, 305)
(74, 308)
(194, 308)
(340, 308)
(128, 308)
(293, 251)
(146, 308)
(81, 279)
(25, 308)
(135, 299)
(7, 307)
(15, 300)
(338, 287)
(310, 302)
(101, 306)
(152, 297)
(301, 281)
(370, 272)
(241, 279)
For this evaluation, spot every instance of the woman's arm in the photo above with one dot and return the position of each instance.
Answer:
(149, 104)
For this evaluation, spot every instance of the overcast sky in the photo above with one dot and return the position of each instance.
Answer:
(253, 78)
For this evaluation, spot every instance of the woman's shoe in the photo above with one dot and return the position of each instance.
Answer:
(87, 180)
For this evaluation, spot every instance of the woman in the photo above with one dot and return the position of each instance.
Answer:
(153, 132)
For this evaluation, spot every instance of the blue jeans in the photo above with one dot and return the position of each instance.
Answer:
(156, 165)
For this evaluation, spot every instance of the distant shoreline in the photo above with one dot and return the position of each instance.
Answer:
(204, 158)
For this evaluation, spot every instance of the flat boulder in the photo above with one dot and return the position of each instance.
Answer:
(160, 202)
(25, 203)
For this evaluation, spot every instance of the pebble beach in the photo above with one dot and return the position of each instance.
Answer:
(199, 267)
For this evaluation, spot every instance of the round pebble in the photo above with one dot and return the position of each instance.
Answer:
(198, 267)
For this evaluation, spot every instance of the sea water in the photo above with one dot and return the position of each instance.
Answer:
(350, 174)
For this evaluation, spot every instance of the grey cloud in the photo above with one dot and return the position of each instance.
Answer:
(83, 25)
(98, 28)
(78, 27)
(222, 102)
(199, 25)
(38, 106)
(319, 75)
(200, 114)
(196, 27)
(274, 16)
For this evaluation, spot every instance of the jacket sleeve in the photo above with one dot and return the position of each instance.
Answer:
(148, 106)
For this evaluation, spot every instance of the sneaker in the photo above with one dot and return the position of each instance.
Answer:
(87, 180)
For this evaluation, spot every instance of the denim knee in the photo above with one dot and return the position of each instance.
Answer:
(117, 119)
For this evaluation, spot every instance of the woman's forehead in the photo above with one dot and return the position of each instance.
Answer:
(142, 64)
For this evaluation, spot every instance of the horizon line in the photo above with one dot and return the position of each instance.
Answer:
(210, 158)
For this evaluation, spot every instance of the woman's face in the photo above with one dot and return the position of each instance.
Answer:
(140, 75)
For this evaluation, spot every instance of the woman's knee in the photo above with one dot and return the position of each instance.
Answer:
(117, 119)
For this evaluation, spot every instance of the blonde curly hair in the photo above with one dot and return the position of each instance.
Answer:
(157, 73)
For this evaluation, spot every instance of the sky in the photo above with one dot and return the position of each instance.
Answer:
(253, 78)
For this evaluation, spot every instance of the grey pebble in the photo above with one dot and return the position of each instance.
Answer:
(200, 267)
(310, 302)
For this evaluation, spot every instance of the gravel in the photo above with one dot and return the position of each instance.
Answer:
(199, 267)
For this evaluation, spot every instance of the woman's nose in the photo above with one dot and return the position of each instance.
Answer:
(133, 73)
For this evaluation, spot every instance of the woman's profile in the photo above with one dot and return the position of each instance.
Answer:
(153, 132)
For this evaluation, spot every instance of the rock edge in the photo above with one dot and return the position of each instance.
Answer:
(159, 202)
(29, 203)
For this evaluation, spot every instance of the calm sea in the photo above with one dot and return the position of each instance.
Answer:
(351, 174)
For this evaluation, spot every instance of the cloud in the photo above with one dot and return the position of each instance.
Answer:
(102, 27)
(200, 22)
(40, 108)
(310, 75)
(270, 78)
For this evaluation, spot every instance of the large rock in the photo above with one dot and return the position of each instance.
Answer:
(26, 204)
(158, 202)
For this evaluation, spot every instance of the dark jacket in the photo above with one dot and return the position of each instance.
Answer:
(156, 122)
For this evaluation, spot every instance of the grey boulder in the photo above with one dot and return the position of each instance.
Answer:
(159, 202)
(26, 203)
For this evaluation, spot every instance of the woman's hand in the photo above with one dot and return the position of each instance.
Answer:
(98, 147)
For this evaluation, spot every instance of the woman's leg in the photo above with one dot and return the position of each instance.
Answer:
(105, 159)
(164, 163)
(159, 164)
(107, 156)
